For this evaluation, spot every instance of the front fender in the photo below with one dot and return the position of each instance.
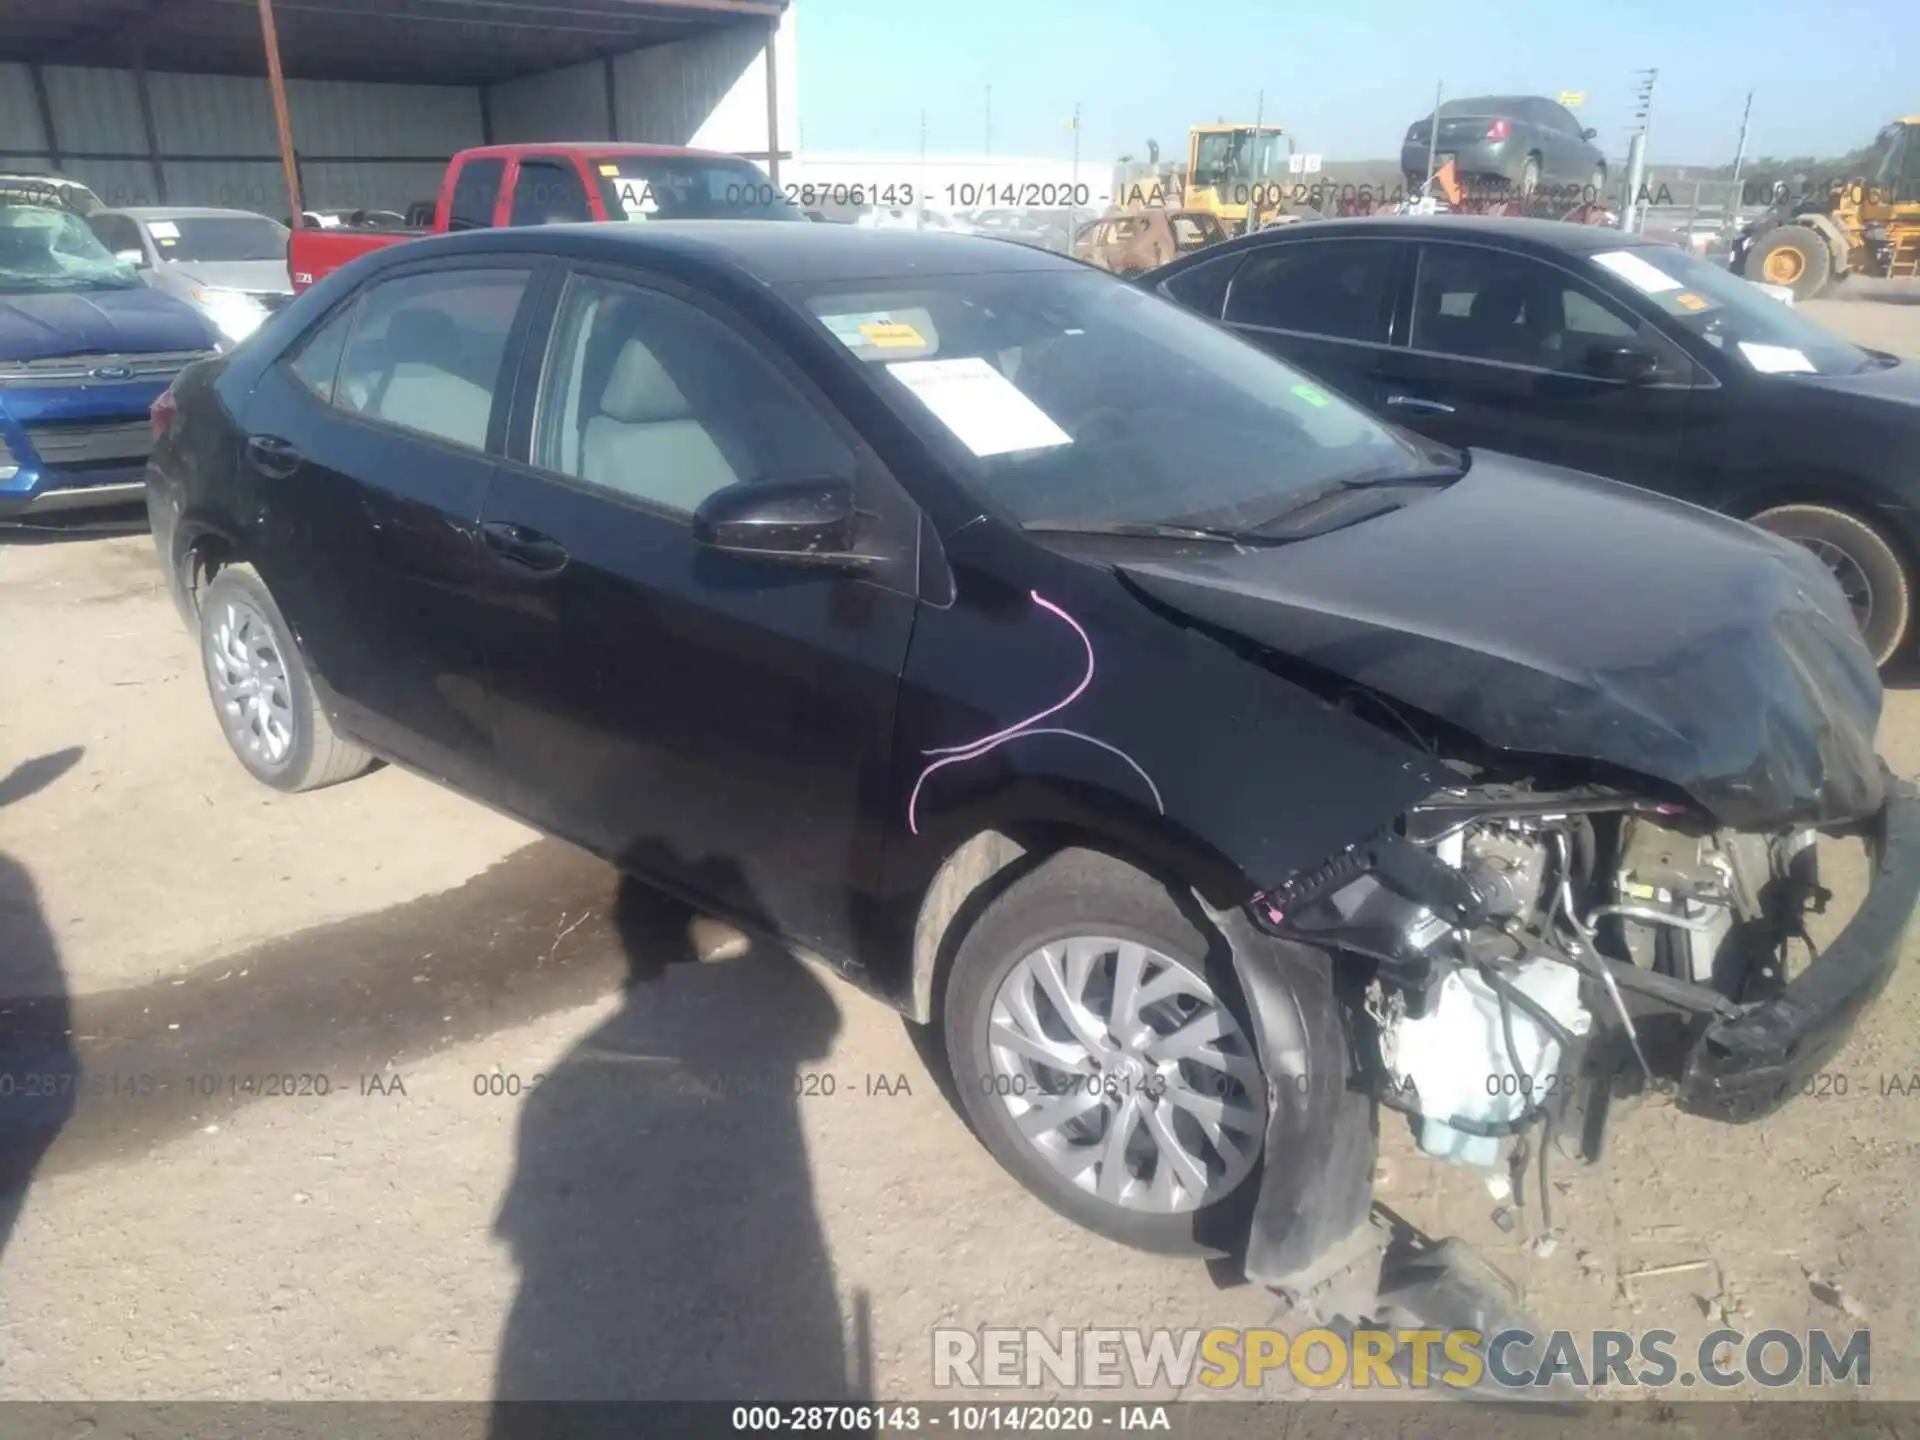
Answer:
(1069, 701)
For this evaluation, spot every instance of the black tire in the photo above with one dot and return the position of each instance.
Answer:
(1796, 253)
(318, 755)
(1083, 892)
(1889, 609)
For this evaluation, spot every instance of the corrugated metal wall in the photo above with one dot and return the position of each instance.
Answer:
(568, 104)
(379, 145)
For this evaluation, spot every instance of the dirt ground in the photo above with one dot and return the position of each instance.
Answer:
(520, 1180)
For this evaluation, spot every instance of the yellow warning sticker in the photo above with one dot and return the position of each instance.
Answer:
(1687, 300)
(613, 170)
(892, 335)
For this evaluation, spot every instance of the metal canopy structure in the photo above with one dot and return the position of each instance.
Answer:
(459, 43)
(422, 42)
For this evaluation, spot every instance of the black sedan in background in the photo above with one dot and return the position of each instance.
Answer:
(1605, 352)
(1052, 662)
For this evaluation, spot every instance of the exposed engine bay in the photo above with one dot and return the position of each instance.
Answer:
(1524, 958)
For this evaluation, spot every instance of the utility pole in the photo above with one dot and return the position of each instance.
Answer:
(989, 121)
(1254, 167)
(1739, 162)
(1637, 151)
(1433, 145)
(1073, 191)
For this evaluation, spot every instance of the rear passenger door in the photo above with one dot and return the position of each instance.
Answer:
(717, 722)
(369, 450)
(1325, 305)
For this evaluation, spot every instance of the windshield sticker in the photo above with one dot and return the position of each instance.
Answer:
(1687, 300)
(163, 230)
(1777, 359)
(1313, 395)
(979, 405)
(892, 335)
(1636, 272)
(613, 171)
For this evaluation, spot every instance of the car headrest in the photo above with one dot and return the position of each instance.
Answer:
(21, 243)
(640, 392)
(422, 335)
(1500, 303)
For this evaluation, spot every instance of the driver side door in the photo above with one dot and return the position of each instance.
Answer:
(719, 723)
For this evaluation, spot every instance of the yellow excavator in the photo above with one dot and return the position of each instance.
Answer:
(1866, 225)
(1232, 169)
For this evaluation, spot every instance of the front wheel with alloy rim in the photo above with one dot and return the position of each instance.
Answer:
(1104, 1055)
(261, 693)
(1864, 562)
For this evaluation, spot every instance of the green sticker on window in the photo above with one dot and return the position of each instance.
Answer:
(1312, 395)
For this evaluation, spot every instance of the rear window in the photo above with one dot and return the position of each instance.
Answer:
(689, 187)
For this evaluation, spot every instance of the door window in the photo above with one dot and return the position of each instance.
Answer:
(1341, 289)
(426, 352)
(317, 360)
(549, 192)
(475, 190)
(1203, 288)
(648, 397)
(1491, 305)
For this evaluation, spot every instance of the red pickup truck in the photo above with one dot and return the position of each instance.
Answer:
(563, 184)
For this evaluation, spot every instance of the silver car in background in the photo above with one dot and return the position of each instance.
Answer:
(231, 264)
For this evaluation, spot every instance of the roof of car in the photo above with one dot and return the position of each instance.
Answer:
(778, 251)
(1497, 230)
(178, 212)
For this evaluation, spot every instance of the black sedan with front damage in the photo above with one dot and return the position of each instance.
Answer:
(1580, 346)
(1211, 763)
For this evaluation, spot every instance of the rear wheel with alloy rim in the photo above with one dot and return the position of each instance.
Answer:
(1104, 1056)
(1869, 570)
(261, 693)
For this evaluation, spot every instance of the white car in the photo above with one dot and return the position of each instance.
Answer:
(231, 264)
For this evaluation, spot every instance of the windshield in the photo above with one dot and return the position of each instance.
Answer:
(215, 238)
(1068, 396)
(1239, 157)
(1892, 143)
(683, 187)
(1732, 314)
(43, 249)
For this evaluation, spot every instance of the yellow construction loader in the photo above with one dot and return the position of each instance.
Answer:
(1864, 225)
(1234, 168)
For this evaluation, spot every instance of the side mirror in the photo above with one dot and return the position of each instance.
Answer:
(1626, 364)
(795, 522)
(1588, 134)
(136, 258)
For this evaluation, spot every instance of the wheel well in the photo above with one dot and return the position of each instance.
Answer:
(973, 876)
(204, 558)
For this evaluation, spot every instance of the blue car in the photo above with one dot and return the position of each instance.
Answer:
(85, 349)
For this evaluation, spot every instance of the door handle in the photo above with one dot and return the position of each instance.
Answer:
(524, 548)
(272, 456)
(1414, 402)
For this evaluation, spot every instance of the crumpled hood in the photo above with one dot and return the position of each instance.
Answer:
(133, 321)
(1549, 612)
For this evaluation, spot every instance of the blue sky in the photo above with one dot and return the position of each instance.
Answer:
(1347, 77)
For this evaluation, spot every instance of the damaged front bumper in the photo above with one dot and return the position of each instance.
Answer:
(1746, 1066)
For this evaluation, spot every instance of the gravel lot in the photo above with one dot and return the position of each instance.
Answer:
(617, 1229)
